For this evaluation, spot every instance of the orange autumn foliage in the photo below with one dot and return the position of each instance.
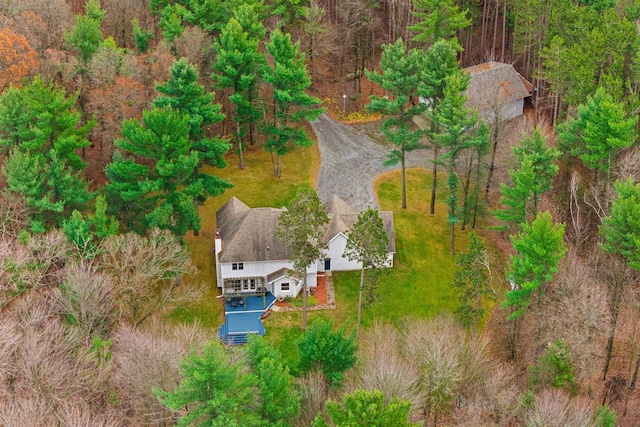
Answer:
(17, 58)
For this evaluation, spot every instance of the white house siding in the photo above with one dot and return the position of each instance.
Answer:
(294, 287)
(336, 252)
(263, 268)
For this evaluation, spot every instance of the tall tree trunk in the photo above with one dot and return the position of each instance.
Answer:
(616, 299)
(434, 178)
(495, 32)
(404, 182)
(241, 160)
(360, 301)
(492, 164)
(476, 193)
(504, 29)
(304, 300)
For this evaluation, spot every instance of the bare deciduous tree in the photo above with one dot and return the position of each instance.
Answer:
(148, 358)
(86, 300)
(146, 272)
(14, 214)
(554, 408)
(313, 394)
(381, 366)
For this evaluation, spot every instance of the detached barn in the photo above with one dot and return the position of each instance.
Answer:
(497, 91)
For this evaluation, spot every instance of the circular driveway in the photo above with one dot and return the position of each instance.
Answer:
(350, 161)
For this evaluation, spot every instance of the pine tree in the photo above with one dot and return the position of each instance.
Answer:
(533, 178)
(87, 232)
(183, 93)
(279, 403)
(366, 408)
(289, 79)
(455, 122)
(141, 37)
(439, 19)
(86, 35)
(289, 12)
(477, 149)
(539, 248)
(400, 76)
(600, 131)
(214, 390)
(438, 64)
(238, 68)
(471, 281)
(301, 228)
(367, 244)
(322, 348)
(163, 191)
(41, 130)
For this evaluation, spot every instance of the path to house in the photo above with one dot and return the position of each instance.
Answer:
(350, 160)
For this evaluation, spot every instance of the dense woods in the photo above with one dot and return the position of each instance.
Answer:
(117, 117)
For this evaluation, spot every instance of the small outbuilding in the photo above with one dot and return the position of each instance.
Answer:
(497, 91)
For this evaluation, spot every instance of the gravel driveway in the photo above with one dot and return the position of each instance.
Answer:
(350, 160)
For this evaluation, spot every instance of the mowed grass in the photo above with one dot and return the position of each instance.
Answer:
(419, 284)
(256, 186)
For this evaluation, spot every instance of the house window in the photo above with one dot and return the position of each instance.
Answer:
(284, 286)
(237, 266)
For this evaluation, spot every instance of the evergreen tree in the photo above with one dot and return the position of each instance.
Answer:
(621, 229)
(164, 189)
(183, 93)
(539, 248)
(516, 197)
(400, 76)
(289, 79)
(455, 121)
(366, 408)
(140, 36)
(86, 233)
(477, 149)
(438, 64)
(331, 351)
(620, 232)
(471, 281)
(533, 177)
(238, 68)
(86, 35)
(437, 20)
(279, 403)
(600, 131)
(367, 244)
(214, 390)
(301, 228)
(289, 12)
(41, 131)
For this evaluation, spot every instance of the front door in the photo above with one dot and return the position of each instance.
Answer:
(327, 264)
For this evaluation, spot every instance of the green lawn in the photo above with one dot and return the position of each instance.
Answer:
(419, 283)
(256, 186)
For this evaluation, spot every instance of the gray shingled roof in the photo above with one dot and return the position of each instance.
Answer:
(342, 217)
(248, 234)
(495, 80)
(283, 272)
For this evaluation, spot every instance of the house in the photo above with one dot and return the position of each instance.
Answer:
(251, 260)
(497, 91)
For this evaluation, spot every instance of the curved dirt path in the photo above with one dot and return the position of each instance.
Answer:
(350, 160)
